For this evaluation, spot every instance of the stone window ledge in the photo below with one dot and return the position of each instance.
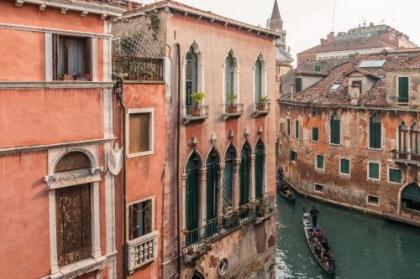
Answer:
(79, 268)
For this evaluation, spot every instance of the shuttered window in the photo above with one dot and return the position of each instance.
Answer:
(74, 229)
(191, 77)
(293, 156)
(297, 129)
(229, 76)
(320, 162)
(245, 171)
(228, 177)
(317, 68)
(140, 219)
(403, 89)
(335, 130)
(344, 166)
(192, 198)
(288, 127)
(374, 169)
(298, 84)
(258, 80)
(140, 140)
(410, 197)
(375, 132)
(395, 175)
(259, 169)
(315, 134)
(212, 189)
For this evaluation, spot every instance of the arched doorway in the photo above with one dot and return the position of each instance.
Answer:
(213, 167)
(192, 205)
(410, 197)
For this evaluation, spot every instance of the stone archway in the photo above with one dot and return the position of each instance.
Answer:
(409, 198)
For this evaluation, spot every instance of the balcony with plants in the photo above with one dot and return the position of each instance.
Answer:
(233, 109)
(262, 107)
(197, 111)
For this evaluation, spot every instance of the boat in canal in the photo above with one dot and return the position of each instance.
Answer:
(318, 244)
(288, 195)
(284, 189)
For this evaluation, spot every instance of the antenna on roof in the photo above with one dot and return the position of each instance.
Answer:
(333, 16)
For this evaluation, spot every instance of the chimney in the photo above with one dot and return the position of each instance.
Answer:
(355, 91)
(330, 37)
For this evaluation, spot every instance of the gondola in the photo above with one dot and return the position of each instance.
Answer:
(328, 262)
(290, 196)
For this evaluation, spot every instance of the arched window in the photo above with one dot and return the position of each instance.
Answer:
(259, 169)
(73, 212)
(192, 198)
(258, 80)
(228, 177)
(415, 140)
(375, 131)
(335, 129)
(230, 66)
(191, 76)
(212, 189)
(402, 139)
(245, 171)
(410, 197)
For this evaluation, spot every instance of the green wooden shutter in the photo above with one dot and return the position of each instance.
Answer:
(315, 134)
(212, 180)
(297, 129)
(191, 80)
(375, 132)
(298, 84)
(230, 77)
(259, 170)
(258, 81)
(374, 170)
(228, 176)
(288, 127)
(192, 198)
(245, 174)
(403, 88)
(395, 175)
(335, 130)
(345, 166)
(320, 162)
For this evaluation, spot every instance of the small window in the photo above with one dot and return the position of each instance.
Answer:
(140, 219)
(375, 132)
(374, 171)
(373, 200)
(317, 68)
(293, 156)
(345, 166)
(319, 188)
(298, 84)
(71, 56)
(297, 129)
(395, 175)
(140, 133)
(335, 129)
(403, 89)
(288, 127)
(335, 87)
(320, 163)
(315, 134)
(357, 84)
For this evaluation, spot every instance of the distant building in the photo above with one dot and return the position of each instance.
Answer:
(352, 136)
(284, 58)
(213, 194)
(361, 40)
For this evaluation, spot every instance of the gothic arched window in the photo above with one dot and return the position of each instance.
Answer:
(192, 205)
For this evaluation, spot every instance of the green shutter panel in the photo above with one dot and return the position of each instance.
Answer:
(320, 161)
(403, 88)
(288, 127)
(374, 170)
(192, 197)
(375, 134)
(259, 170)
(258, 81)
(315, 135)
(245, 174)
(212, 178)
(395, 175)
(297, 129)
(335, 131)
(345, 166)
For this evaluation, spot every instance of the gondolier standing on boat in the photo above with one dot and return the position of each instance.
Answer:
(314, 214)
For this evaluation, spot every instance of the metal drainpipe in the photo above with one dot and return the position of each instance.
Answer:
(178, 147)
(120, 97)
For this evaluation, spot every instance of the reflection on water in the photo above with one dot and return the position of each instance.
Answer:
(365, 247)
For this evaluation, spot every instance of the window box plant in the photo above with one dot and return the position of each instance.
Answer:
(198, 98)
(262, 105)
(232, 106)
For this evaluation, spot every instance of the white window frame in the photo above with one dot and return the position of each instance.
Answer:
(382, 136)
(312, 135)
(263, 77)
(330, 129)
(339, 167)
(368, 171)
(316, 163)
(389, 178)
(317, 191)
(236, 77)
(127, 220)
(373, 204)
(293, 161)
(151, 132)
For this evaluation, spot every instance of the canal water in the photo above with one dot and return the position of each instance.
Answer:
(365, 247)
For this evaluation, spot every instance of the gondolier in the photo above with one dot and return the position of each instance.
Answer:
(314, 215)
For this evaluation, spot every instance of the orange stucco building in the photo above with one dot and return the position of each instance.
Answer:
(57, 195)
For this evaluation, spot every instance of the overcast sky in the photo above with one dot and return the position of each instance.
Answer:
(306, 21)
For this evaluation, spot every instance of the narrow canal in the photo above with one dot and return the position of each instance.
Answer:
(365, 247)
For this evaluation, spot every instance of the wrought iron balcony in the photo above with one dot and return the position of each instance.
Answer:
(262, 108)
(233, 110)
(139, 68)
(141, 251)
(196, 113)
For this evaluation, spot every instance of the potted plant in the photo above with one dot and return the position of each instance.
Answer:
(197, 97)
(262, 105)
(232, 108)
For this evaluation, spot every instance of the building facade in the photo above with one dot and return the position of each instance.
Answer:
(352, 138)
(366, 39)
(219, 179)
(57, 197)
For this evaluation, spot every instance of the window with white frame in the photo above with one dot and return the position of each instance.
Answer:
(71, 58)
(345, 167)
(394, 175)
(319, 188)
(140, 219)
(140, 132)
(373, 200)
(320, 162)
(374, 171)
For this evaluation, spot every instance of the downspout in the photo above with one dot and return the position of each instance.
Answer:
(178, 147)
(120, 97)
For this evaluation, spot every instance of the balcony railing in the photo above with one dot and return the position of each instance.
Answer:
(405, 157)
(141, 251)
(233, 110)
(262, 108)
(139, 68)
(196, 113)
